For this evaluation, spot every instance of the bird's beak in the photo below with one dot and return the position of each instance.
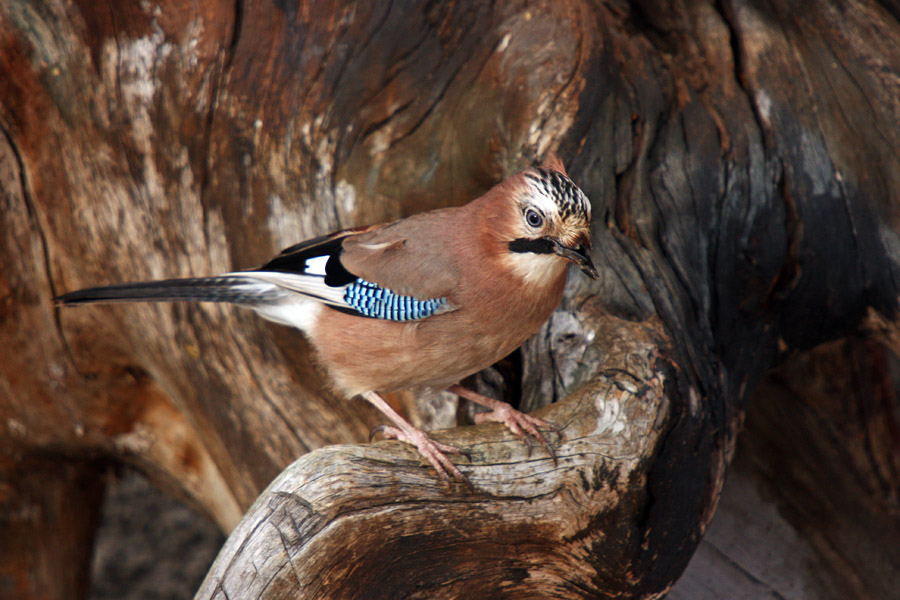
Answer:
(577, 255)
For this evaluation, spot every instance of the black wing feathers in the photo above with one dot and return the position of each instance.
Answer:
(294, 260)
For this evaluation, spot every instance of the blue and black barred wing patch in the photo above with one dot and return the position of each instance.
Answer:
(371, 300)
(359, 297)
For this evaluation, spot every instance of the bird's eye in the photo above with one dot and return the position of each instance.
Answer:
(533, 218)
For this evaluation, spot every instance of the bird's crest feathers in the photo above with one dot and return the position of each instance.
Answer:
(552, 162)
(570, 201)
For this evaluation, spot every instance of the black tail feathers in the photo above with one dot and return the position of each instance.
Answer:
(229, 288)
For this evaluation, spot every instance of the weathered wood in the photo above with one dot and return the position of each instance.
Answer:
(740, 156)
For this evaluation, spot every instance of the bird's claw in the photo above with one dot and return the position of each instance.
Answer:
(382, 429)
(431, 450)
(522, 425)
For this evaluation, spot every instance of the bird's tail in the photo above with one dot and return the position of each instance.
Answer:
(227, 288)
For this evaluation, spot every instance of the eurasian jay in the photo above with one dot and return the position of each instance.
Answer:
(421, 302)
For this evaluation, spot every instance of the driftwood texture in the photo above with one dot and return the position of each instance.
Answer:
(742, 161)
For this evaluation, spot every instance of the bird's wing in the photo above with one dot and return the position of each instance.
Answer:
(414, 256)
(400, 271)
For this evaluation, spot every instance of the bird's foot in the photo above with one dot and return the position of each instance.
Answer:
(522, 425)
(431, 450)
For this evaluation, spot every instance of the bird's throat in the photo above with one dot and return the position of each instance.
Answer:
(538, 269)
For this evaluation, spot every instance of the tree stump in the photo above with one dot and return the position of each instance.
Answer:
(742, 163)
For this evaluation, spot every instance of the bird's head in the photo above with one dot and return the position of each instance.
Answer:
(552, 220)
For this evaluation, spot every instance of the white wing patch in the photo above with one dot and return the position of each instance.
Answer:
(316, 265)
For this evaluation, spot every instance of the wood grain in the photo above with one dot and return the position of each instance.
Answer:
(742, 163)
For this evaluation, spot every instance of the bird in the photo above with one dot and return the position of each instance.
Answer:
(418, 303)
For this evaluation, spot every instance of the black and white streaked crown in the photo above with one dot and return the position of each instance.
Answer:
(568, 197)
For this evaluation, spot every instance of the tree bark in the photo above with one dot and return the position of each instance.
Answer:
(742, 162)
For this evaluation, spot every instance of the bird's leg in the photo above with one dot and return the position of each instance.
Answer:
(521, 424)
(433, 451)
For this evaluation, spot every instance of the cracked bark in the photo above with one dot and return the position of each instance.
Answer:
(743, 175)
